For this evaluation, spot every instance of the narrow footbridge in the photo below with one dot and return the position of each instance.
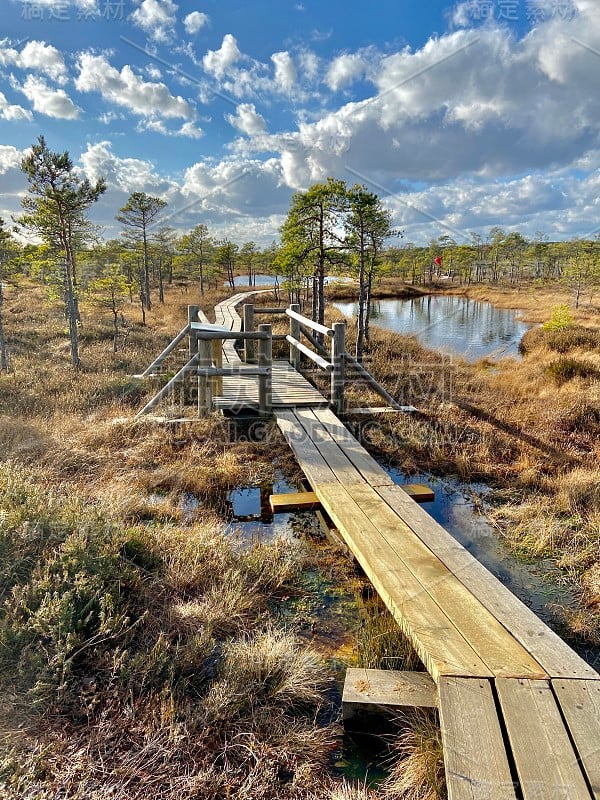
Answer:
(519, 709)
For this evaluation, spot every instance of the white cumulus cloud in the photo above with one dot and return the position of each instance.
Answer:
(218, 62)
(47, 100)
(190, 131)
(285, 71)
(126, 89)
(247, 119)
(344, 70)
(10, 158)
(194, 22)
(13, 112)
(37, 56)
(156, 18)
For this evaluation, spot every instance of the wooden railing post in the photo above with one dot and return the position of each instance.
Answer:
(265, 359)
(217, 357)
(193, 317)
(204, 382)
(249, 326)
(295, 334)
(186, 389)
(338, 348)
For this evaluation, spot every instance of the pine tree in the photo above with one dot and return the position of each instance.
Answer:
(137, 215)
(55, 210)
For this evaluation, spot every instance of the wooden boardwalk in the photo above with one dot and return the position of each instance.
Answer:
(519, 709)
(290, 388)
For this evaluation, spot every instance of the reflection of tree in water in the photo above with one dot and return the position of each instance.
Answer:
(465, 326)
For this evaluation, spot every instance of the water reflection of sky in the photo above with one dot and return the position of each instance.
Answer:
(459, 325)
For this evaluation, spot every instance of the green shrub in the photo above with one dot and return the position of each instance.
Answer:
(75, 599)
(562, 317)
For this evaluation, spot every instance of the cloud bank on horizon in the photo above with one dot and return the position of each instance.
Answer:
(494, 121)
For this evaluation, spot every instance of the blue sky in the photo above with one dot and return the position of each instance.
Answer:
(461, 116)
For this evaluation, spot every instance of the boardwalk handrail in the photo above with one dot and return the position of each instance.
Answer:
(168, 386)
(377, 387)
(167, 351)
(318, 360)
(309, 323)
(332, 363)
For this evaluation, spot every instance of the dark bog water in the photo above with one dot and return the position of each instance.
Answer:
(457, 325)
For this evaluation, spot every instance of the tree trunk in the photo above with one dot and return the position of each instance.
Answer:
(368, 305)
(3, 358)
(362, 291)
(161, 291)
(146, 273)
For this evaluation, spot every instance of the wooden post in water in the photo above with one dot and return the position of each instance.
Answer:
(295, 333)
(265, 359)
(249, 326)
(338, 348)
(204, 382)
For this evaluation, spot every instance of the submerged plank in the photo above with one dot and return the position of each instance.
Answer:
(475, 757)
(546, 763)
(367, 688)
(419, 492)
(294, 501)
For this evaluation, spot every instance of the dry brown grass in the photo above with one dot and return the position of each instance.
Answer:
(193, 692)
(418, 768)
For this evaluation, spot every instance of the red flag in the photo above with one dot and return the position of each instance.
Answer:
(438, 261)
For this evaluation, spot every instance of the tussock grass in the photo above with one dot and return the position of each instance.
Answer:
(352, 791)
(418, 767)
(132, 668)
(380, 641)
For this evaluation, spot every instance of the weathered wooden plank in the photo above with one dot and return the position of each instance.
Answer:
(294, 501)
(580, 704)
(338, 461)
(372, 472)
(475, 758)
(312, 462)
(370, 410)
(549, 650)
(441, 647)
(494, 644)
(544, 757)
(367, 688)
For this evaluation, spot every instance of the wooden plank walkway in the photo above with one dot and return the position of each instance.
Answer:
(290, 388)
(519, 709)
